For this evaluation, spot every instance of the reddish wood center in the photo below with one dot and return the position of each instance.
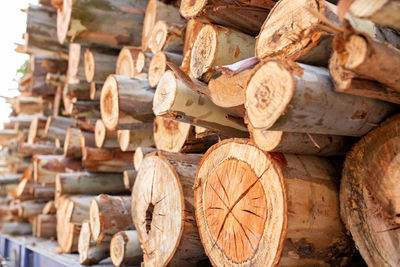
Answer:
(235, 209)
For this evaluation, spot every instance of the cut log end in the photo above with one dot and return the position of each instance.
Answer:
(158, 36)
(63, 20)
(84, 243)
(157, 68)
(266, 140)
(148, 23)
(117, 248)
(203, 51)
(100, 133)
(124, 139)
(268, 93)
(93, 90)
(125, 249)
(191, 8)
(96, 223)
(89, 65)
(125, 63)
(109, 103)
(138, 158)
(140, 62)
(170, 135)
(164, 96)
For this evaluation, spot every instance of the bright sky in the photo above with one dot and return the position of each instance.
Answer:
(13, 25)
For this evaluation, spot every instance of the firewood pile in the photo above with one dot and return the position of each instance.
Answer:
(198, 133)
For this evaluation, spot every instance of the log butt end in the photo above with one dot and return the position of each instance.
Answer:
(190, 9)
(158, 66)
(63, 20)
(165, 94)
(203, 51)
(125, 63)
(109, 103)
(89, 65)
(124, 139)
(170, 135)
(158, 36)
(84, 244)
(100, 133)
(96, 222)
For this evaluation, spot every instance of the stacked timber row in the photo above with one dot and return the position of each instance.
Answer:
(198, 133)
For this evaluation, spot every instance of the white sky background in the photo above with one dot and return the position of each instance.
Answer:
(12, 26)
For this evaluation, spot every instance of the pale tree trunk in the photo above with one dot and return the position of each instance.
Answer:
(29, 209)
(109, 215)
(237, 182)
(370, 203)
(158, 65)
(106, 160)
(91, 253)
(163, 210)
(140, 153)
(129, 140)
(304, 101)
(175, 100)
(125, 249)
(99, 65)
(167, 37)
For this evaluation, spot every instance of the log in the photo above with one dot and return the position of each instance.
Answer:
(106, 160)
(164, 213)
(95, 90)
(72, 144)
(158, 65)
(28, 150)
(368, 194)
(381, 12)
(217, 45)
(156, 11)
(88, 109)
(236, 182)
(109, 215)
(57, 126)
(76, 63)
(301, 143)
(43, 192)
(167, 37)
(246, 16)
(7, 135)
(78, 209)
(105, 138)
(99, 65)
(29, 209)
(89, 183)
(10, 179)
(41, 65)
(89, 252)
(140, 153)
(46, 226)
(37, 128)
(125, 100)
(86, 124)
(87, 139)
(91, 24)
(49, 208)
(78, 91)
(131, 140)
(125, 249)
(308, 43)
(16, 228)
(307, 103)
(366, 59)
(175, 136)
(129, 178)
(175, 100)
(46, 167)
(127, 61)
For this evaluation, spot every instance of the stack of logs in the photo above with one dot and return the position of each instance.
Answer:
(194, 132)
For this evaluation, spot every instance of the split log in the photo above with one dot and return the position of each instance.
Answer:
(89, 252)
(99, 65)
(167, 37)
(57, 126)
(156, 11)
(163, 210)
(87, 22)
(301, 143)
(105, 138)
(369, 194)
(89, 183)
(125, 249)
(125, 100)
(237, 182)
(127, 61)
(175, 136)
(46, 167)
(217, 45)
(158, 65)
(140, 153)
(72, 144)
(381, 12)
(28, 150)
(109, 215)
(7, 135)
(37, 128)
(46, 226)
(106, 160)
(16, 228)
(88, 109)
(246, 16)
(29, 209)
(129, 178)
(175, 100)
(131, 140)
(308, 43)
(295, 105)
(49, 208)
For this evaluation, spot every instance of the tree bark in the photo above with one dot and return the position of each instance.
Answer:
(175, 100)
(57, 126)
(106, 160)
(46, 167)
(131, 140)
(109, 215)
(140, 153)
(383, 12)
(175, 136)
(41, 65)
(29, 105)
(91, 253)
(43, 192)
(307, 103)
(217, 45)
(85, 109)
(163, 210)
(105, 138)
(89, 183)
(129, 178)
(368, 193)
(95, 90)
(10, 179)
(308, 43)
(72, 144)
(99, 65)
(156, 11)
(125, 249)
(46, 226)
(29, 209)
(91, 24)
(28, 150)
(16, 228)
(245, 16)
(76, 63)
(78, 91)
(167, 37)
(158, 65)
(125, 100)
(7, 135)
(237, 182)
